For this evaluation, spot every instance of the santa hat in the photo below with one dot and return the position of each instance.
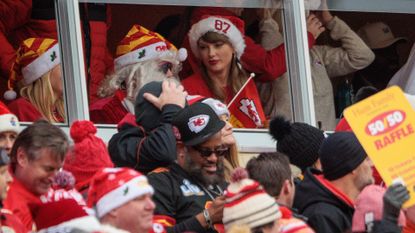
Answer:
(8, 121)
(35, 57)
(60, 208)
(113, 187)
(141, 44)
(88, 155)
(248, 203)
(229, 26)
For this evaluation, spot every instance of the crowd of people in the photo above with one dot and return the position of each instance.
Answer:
(173, 164)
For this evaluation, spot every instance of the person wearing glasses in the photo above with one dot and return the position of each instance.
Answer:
(142, 56)
(191, 191)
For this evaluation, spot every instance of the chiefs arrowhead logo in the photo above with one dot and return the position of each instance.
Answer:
(198, 123)
(248, 107)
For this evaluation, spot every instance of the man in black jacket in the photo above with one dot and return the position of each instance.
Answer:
(327, 198)
(152, 143)
(191, 190)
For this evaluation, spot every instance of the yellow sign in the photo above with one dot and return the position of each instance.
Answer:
(385, 126)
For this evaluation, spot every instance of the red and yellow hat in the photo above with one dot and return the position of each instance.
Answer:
(141, 44)
(34, 58)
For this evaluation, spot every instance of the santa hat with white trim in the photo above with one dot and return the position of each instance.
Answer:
(8, 121)
(229, 26)
(35, 57)
(111, 188)
(141, 44)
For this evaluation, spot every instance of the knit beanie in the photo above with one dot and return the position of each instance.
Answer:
(113, 187)
(369, 208)
(88, 155)
(247, 203)
(8, 121)
(340, 154)
(34, 58)
(299, 141)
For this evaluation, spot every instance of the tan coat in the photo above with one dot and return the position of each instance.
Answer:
(328, 62)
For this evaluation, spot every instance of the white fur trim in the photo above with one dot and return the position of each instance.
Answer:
(10, 95)
(212, 24)
(87, 223)
(41, 65)
(136, 187)
(9, 122)
(151, 51)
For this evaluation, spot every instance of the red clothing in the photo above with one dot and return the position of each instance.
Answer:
(270, 64)
(24, 110)
(289, 224)
(409, 228)
(8, 220)
(18, 200)
(195, 85)
(343, 125)
(109, 110)
(32, 22)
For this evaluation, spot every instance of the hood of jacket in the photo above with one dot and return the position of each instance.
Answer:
(146, 114)
(311, 191)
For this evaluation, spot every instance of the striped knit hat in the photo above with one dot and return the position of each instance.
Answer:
(141, 44)
(248, 203)
(111, 188)
(35, 57)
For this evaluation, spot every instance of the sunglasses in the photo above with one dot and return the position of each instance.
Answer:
(207, 152)
(165, 67)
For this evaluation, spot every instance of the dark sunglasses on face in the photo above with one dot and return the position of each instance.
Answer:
(207, 152)
(165, 67)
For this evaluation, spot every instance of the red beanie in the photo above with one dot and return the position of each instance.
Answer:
(88, 155)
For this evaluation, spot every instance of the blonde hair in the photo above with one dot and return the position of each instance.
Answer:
(237, 75)
(41, 95)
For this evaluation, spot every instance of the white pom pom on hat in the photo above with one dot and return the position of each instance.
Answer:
(10, 95)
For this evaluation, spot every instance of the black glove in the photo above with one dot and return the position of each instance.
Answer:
(393, 200)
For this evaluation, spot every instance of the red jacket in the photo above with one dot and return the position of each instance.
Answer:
(8, 220)
(18, 27)
(18, 200)
(270, 64)
(109, 110)
(24, 110)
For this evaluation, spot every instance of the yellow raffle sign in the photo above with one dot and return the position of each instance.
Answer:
(384, 124)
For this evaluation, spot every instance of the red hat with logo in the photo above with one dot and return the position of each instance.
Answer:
(8, 121)
(229, 26)
(35, 57)
(113, 187)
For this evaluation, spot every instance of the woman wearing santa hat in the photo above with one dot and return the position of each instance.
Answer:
(37, 76)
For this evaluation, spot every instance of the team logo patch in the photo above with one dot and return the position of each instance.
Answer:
(198, 123)
(13, 121)
(248, 107)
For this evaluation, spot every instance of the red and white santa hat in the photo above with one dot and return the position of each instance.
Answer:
(35, 57)
(8, 121)
(111, 188)
(141, 44)
(230, 26)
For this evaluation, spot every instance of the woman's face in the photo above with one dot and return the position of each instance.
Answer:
(227, 133)
(56, 80)
(216, 57)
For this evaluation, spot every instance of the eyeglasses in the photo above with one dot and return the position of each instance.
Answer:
(207, 152)
(165, 67)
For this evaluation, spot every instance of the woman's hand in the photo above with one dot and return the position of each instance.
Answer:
(314, 26)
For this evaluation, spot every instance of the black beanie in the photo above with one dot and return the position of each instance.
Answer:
(299, 141)
(340, 154)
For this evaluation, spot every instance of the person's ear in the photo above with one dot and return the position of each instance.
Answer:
(21, 157)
